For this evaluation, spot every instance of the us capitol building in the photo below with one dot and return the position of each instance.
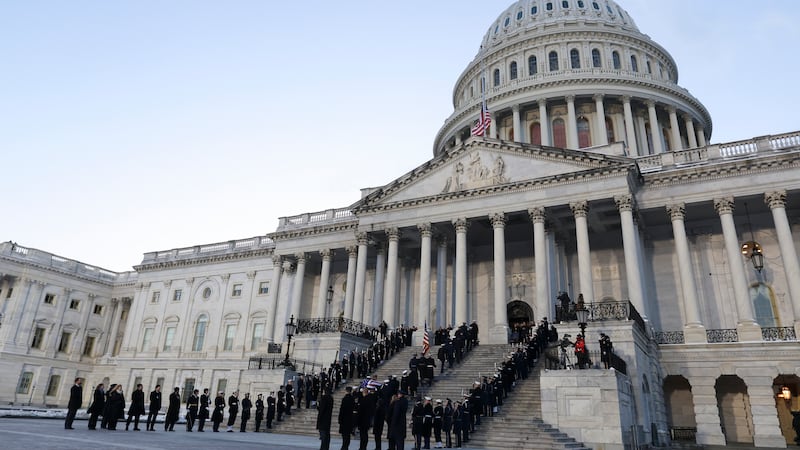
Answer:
(597, 177)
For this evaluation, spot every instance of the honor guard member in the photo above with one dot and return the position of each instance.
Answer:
(219, 409)
(246, 406)
(98, 403)
(346, 417)
(192, 405)
(75, 401)
(259, 412)
(270, 409)
(203, 413)
(173, 410)
(233, 409)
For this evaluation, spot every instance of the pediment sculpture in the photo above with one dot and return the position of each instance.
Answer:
(475, 174)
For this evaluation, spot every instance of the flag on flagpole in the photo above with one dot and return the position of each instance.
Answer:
(484, 120)
(426, 343)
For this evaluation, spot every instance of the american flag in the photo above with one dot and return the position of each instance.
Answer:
(484, 120)
(371, 384)
(426, 342)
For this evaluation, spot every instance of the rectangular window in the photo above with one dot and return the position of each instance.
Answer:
(159, 381)
(222, 384)
(199, 336)
(263, 288)
(156, 297)
(24, 385)
(49, 299)
(52, 385)
(148, 334)
(63, 345)
(88, 348)
(188, 387)
(176, 296)
(258, 334)
(237, 290)
(8, 294)
(98, 309)
(74, 304)
(230, 334)
(168, 338)
(38, 338)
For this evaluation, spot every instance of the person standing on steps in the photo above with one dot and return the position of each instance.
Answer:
(346, 417)
(233, 409)
(324, 418)
(136, 409)
(397, 426)
(270, 409)
(246, 406)
(154, 408)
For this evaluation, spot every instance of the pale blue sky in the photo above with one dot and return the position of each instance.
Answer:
(133, 126)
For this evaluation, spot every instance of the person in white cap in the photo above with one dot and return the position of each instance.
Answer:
(438, 414)
(427, 423)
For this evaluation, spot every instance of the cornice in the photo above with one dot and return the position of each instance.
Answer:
(721, 170)
(51, 269)
(315, 231)
(161, 265)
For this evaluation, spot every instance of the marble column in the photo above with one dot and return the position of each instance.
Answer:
(272, 300)
(544, 122)
(390, 290)
(766, 428)
(674, 130)
(630, 131)
(297, 292)
(461, 226)
(361, 277)
(690, 133)
(517, 123)
(542, 301)
(601, 119)
(747, 327)
(349, 291)
(580, 210)
(493, 126)
(655, 130)
(324, 282)
(499, 333)
(701, 136)
(693, 329)
(630, 249)
(112, 335)
(441, 282)
(424, 316)
(777, 203)
(572, 123)
(377, 291)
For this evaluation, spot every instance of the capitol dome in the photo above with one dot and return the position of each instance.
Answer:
(575, 74)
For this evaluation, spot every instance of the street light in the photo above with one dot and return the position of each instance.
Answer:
(752, 249)
(583, 317)
(291, 328)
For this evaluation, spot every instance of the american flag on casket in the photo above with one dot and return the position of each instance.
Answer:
(369, 383)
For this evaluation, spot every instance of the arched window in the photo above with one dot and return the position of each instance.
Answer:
(649, 68)
(559, 133)
(762, 298)
(634, 64)
(496, 77)
(532, 69)
(584, 134)
(610, 130)
(199, 333)
(596, 61)
(615, 58)
(575, 58)
(512, 70)
(553, 58)
(536, 133)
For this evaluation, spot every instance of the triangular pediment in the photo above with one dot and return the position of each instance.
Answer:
(486, 165)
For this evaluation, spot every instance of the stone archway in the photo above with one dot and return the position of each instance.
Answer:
(785, 406)
(735, 415)
(519, 313)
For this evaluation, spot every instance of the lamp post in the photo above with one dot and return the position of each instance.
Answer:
(752, 249)
(583, 317)
(291, 328)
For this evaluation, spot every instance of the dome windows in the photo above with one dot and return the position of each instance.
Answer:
(596, 61)
(616, 60)
(532, 65)
(519, 15)
(574, 59)
(512, 70)
(596, 6)
(564, 4)
(649, 68)
(553, 60)
(581, 4)
(507, 21)
(634, 64)
(534, 10)
(496, 78)
(549, 6)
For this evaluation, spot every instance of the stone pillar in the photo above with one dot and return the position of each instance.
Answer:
(706, 411)
(493, 126)
(580, 211)
(380, 274)
(461, 226)
(701, 136)
(499, 333)
(675, 131)
(746, 326)
(390, 288)
(767, 429)
(655, 130)
(441, 282)
(361, 277)
(350, 284)
(272, 300)
(544, 122)
(572, 123)
(601, 119)
(112, 335)
(517, 123)
(630, 131)
(693, 329)
(324, 282)
(297, 292)
(690, 133)
(424, 316)
(777, 203)
(630, 248)
(540, 262)
(458, 139)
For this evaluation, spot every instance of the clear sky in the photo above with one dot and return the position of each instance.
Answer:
(130, 126)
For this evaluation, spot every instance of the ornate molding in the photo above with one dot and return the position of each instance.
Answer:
(302, 257)
(362, 238)
(393, 233)
(775, 199)
(624, 202)
(251, 274)
(326, 254)
(425, 229)
(498, 220)
(474, 174)
(676, 211)
(352, 251)
(277, 260)
(723, 205)
(461, 225)
(537, 214)
(579, 209)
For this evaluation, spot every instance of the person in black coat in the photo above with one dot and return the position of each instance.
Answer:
(219, 410)
(379, 417)
(417, 417)
(270, 409)
(366, 411)
(116, 407)
(202, 415)
(75, 401)
(98, 405)
(281, 404)
(324, 418)
(173, 410)
(438, 413)
(107, 407)
(397, 426)
(192, 406)
(246, 406)
(259, 411)
(233, 409)
(155, 407)
(447, 423)
(136, 409)
(346, 417)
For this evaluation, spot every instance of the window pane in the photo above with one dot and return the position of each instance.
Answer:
(230, 334)
(88, 348)
(532, 69)
(584, 135)
(148, 334)
(575, 59)
(24, 385)
(596, 62)
(168, 338)
(258, 334)
(559, 134)
(52, 385)
(553, 57)
(199, 334)
(536, 133)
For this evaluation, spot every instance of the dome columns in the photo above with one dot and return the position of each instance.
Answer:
(601, 119)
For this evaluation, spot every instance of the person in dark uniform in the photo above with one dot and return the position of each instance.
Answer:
(155, 407)
(289, 397)
(397, 427)
(447, 424)
(324, 418)
(417, 418)
(219, 409)
(427, 422)
(438, 412)
(346, 417)
(202, 415)
(116, 407)
(173, 410)
(233, 409)
(458, 422)
(98, 404)
(606, 349)
(136, 409)
(75, 401)
(246, 406)
(378, 418)
(281, 404)
(259, 412)
(364, 417)
(192, 405)
(270, 409)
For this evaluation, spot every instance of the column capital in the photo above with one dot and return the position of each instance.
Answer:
(650, 103)
(598, 97)
(126, 301)
(277, 260)
(687, 117)
(114, 301)
(537, 214)
(251, 274)
(676, 211)
(671, 109)
(362, 238)
(326, 254)
(579, 209)
(570, 98)
(775, 199)
(425, 229)
(461, 224)
(498, 219)
(441, 240)
(288, 266)
(723, 205)
(626, 99)
(352, 251)
(624, 202)
(393, 233)
(380, 248)
(189, 281)
(542, 102)
(515, 108)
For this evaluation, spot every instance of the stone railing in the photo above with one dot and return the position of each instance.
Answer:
(336, 325)
(778, 334)
(668, 337)
(769, 334)
(215, 249)
(722, 335)
(623, 310)
(326, 217)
